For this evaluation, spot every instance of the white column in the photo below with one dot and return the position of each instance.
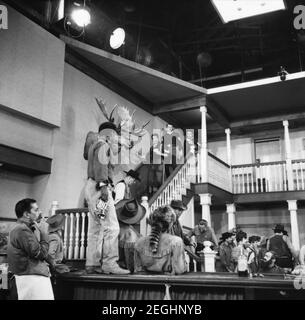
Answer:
(295, 237)
(205, 201)
(231, 210)
(229, 156)
(144, 227)
(288, 155)
(204, 146)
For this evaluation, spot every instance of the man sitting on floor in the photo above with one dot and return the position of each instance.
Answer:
(129, 213)
(267, 265)
(160, 252)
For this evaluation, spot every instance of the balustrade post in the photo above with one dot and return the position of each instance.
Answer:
(205, 201)
(70, 250)
(288, 156)
(144, 226)
(76, 245)
(231, 210)
(295, 236)
(82, 237)
(204, 147)
(66, 236)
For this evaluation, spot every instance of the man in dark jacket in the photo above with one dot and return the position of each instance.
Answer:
(27, 253)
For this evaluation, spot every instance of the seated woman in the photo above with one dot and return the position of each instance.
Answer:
(160, 252)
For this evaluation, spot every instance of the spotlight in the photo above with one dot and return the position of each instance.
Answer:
(117, 38)
(81, 17)
(283, 73)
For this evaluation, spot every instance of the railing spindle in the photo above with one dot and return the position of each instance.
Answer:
(82, 238)
(76, 244)
(70, 251)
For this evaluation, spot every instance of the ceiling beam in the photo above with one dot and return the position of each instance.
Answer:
(265, 120)
(182, 105)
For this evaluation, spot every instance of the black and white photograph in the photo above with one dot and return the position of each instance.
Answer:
(154, 152)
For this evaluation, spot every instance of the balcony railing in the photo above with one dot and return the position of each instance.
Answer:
(268, 177)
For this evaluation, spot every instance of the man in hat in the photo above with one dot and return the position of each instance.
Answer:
(56, 250)
(225, 252)
(122, 188)
(176, 228)
(129, 213)
(282, 246)
(203, 232)
(103, 229)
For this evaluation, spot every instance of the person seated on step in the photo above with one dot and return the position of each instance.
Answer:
(129, 213)
(203, 232)
(176, 229)
(56, 251)
(268, 264)
(160, 252)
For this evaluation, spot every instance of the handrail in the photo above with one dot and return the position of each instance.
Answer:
(298, 160)
(219, 160)
(168, 180)
(258, 164)
(76, 210)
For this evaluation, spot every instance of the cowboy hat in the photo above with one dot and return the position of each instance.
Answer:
(178, 204)
(129, 211)
(133, 174)
(279, 228)
(56, 222)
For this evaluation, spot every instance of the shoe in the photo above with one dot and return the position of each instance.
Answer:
(115, 270)
(92, 270)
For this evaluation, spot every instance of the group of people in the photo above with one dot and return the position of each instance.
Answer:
(258, 255)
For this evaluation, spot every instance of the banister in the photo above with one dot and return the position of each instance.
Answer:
(218, 160)
(258, 164)
(168, 180)
(76, 210)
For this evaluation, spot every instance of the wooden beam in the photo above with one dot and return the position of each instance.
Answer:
(268, 197)
(181, 105)
(24, 162)
(265, 120)
(216, 112)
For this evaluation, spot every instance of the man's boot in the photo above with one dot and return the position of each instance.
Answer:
(115, 270)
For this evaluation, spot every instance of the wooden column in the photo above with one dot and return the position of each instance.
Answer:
(204, 147)
(295, 236)
(205, 201)
(231, 210)
(288, 156)
(144, 227)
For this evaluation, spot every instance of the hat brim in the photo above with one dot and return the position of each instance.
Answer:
(180, 208)
(53, 229)
(129, 220)
(137, 178)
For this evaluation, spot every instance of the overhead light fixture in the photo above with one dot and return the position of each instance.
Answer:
(80, 16)
(117, 38)
(230, 10)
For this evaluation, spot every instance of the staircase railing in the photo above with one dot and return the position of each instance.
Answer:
(176, 184)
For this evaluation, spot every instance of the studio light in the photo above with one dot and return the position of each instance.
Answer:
(81, 17)
(117, 38)
(230, 10)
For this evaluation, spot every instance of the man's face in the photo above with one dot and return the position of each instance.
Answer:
(169, 128)
(178, 213)
(130, 180)
(34, 214)
(230, 239)
(202, 227)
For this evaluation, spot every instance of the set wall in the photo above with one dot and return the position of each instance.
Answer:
(31, 69)
(242, 149)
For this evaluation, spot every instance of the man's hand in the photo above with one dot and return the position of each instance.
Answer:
(104, 193)
(42, 226)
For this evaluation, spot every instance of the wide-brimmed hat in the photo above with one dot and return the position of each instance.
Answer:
(56, 222)
(129, 211)
(133, 174)
(279, 228)
(178, 204)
